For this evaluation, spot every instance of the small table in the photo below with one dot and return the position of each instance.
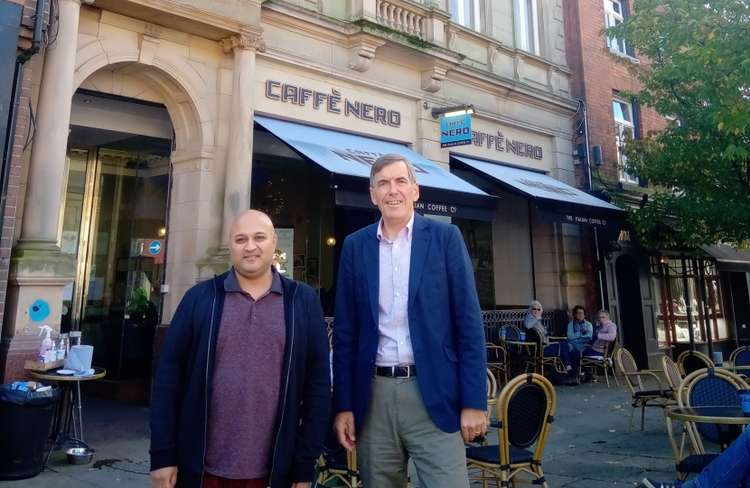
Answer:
(70, 399)
(709, 415)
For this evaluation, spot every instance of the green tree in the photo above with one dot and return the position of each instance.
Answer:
(697, 74)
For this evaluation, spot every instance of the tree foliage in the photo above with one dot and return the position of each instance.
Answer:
(697, 74)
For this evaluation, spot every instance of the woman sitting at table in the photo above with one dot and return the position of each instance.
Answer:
(605, 333)
(537, 332)
(580, 330)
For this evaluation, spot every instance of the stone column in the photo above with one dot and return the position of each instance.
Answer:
(38, 272)
(240, 145)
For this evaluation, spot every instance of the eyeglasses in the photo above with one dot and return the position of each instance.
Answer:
(537, 309)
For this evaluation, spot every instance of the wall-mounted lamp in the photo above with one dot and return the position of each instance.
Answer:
(451, 111)
(664, 259)
(330, 241)
(162, 231)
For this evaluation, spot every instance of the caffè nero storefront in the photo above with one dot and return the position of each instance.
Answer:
(313, 146)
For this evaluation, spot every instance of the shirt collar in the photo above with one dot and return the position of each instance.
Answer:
(407, 229)
(232, 285)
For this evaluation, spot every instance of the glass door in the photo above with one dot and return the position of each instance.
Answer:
(115, 224)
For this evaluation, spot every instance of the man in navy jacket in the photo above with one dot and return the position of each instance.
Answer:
(242, 390)
(408, 345)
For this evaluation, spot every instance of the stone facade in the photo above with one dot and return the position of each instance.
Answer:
(208, 63)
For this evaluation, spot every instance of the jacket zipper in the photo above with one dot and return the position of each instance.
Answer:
(205, 405)
(286, 388)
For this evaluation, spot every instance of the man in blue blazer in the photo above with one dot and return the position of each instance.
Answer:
(408, 345)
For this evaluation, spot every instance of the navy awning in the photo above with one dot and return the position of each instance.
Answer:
(349, 158)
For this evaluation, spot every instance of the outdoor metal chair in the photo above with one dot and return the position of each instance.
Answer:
(740, 357)
(537, 361)
(603, 362)
(339, 465)
(497, 362)
(713, 388)
(672, 374)
(525, 409)
(689, 361)
(641, 396)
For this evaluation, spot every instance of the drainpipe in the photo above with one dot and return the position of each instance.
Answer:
(23, 56)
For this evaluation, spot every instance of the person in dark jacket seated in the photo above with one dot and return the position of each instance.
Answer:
(536, 331)
(730, 470)
(242, 391)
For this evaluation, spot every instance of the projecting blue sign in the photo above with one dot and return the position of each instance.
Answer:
(455, 130)
(154, 248)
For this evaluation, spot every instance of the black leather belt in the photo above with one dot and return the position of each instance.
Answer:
(396, 371)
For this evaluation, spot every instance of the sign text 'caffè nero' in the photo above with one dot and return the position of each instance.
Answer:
(331, 102)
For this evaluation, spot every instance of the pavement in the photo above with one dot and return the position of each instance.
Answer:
(588, 446)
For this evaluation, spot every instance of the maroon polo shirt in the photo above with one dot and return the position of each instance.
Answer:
(246, 382)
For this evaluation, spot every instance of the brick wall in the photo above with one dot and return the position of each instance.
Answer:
(598, 76)
(22, 127)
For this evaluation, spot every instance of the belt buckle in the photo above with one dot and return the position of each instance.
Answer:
(408, 371)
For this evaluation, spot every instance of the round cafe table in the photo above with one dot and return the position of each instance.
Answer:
(709, 415)
(70, 400)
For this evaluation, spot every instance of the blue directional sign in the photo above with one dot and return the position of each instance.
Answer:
(154, 248)
(455, 130)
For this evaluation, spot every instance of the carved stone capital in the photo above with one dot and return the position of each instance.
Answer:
(247, 40)
(362, 51)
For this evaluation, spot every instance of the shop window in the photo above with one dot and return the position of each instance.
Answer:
(615, 13)
(478, 237)
(625, 129)
(527, 25)
(704, 295)
(467, 13)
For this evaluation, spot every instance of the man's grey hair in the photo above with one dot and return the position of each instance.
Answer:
(535, 304)
(387, 160)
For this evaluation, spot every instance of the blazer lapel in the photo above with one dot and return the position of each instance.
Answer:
(372, 265)
(420, 243)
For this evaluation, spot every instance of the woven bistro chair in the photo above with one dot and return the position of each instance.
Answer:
(336, 463)
(641, 396)
(672, 374)
(525, 409)
(603, 362)
(497, 362)
(689, 361)
(740, 357)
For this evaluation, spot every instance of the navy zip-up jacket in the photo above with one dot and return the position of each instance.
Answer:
(182, 388)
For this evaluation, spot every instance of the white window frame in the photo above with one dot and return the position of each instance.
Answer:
(613, 18)
(622, 126)
(526, 15)
(458, 13)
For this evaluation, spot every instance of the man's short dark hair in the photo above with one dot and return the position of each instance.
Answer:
(387, 160)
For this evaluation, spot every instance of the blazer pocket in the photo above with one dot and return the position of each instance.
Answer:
(450, 353)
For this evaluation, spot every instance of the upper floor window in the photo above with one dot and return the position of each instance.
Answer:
(624, 130)
(527, 25)
(615, 13)
(467, 13)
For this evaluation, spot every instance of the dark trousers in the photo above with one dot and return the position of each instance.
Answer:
(211, 481)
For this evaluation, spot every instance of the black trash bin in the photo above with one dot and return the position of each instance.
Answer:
(25, 420)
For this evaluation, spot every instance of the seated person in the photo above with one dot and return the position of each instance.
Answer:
(730, 470)
(605, 333)
(534, 328)
(580, 330)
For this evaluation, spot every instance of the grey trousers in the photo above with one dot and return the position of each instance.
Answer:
(398, 427)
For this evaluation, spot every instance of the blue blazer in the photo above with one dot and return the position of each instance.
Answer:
(444, 323)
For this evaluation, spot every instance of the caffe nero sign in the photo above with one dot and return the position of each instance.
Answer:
(332, 102)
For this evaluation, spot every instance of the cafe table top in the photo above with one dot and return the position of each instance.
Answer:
(54, 376)
(709, 415)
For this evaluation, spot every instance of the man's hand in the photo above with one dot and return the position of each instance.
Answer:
(473, 423)
(301, 484)
(343, 424)
(164, 477)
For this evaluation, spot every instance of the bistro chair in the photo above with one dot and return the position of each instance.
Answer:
(538, 361)
(603, 362)
(497, 362)
(740, 357)
(641, 397)
(689, 361)
(491, 396)
(712, 387)
(672, 374)
(336, 463)
(525, 409)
